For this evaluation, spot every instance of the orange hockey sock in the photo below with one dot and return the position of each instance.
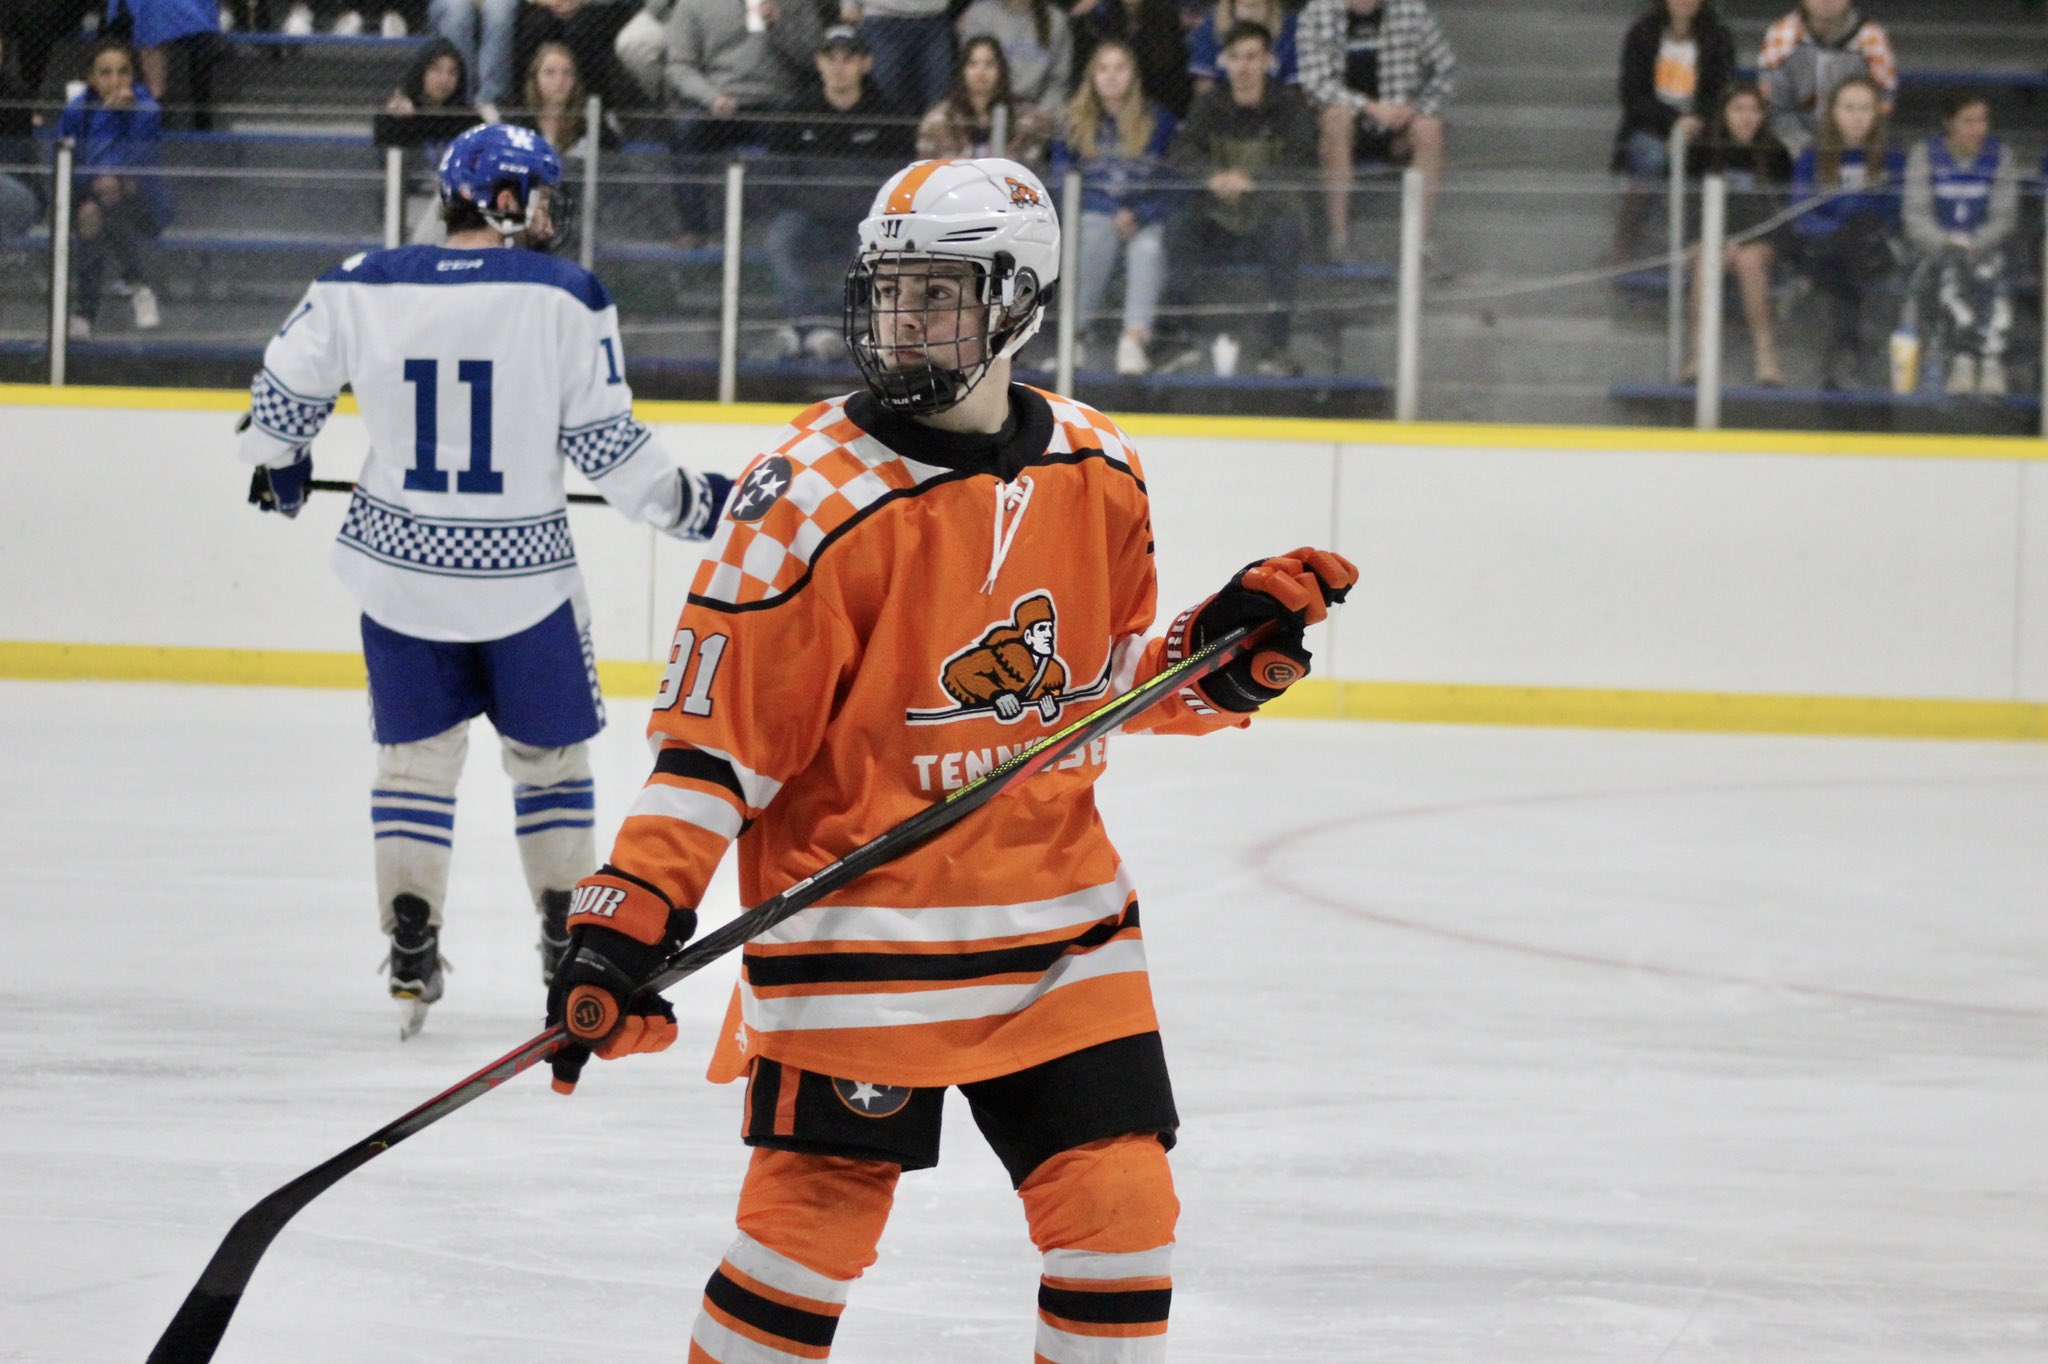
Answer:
(808, 1227)
(1103, 1214)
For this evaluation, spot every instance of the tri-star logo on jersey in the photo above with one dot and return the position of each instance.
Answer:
(1012, 669)
(760, 490)
(871, 1101)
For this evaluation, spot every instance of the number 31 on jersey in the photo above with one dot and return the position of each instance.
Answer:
(692, 667)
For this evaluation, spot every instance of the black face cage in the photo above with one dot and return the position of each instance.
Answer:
(933, 386)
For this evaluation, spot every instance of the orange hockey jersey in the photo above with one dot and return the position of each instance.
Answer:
(886, 612)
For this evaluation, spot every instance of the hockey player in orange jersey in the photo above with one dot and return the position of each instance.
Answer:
(905, 586)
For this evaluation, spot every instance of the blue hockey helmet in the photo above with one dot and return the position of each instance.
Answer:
(498, 156)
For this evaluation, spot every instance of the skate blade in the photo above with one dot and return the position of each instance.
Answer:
(412, 1016)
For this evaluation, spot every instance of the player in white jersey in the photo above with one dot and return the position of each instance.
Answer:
(481, 368)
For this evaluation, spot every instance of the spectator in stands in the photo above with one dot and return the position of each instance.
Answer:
(846, 132)
(1810, 52)
(190, 27)
(1205, 42)
(1962, 205)
(1117, 139)
(912, 42)
(20, 203)
(642, 49)
(1740, 147)
(727, 58)
(483, 31)
(554, 101)
(120, 202)
(1382, 71)
(1848, 186)
(423, 115)
(1151, 29)
(1037, 40)
(1675, 63)
(963, 124)
(1242, 143)
(588, 28)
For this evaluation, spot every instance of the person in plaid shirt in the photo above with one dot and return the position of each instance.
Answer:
(1382, 72)
(1811, 51)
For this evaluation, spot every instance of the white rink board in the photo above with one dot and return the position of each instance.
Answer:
(1871, 576)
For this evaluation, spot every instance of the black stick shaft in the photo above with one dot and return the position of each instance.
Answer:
(342, 485)
(195, 1332)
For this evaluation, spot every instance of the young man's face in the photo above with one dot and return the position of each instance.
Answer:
(439, 80)
(1038, 638)
(927, 314)
(1245, 62)
(842, 69)
(1969, 127)
(1825, 13)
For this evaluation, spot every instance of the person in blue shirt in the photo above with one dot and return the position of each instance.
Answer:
(1847, 186)
(119, 202)
(1961, 210)
(1117, 139)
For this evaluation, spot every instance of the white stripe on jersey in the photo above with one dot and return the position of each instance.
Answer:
(952, 1004)
(691, 807)
(954, 923)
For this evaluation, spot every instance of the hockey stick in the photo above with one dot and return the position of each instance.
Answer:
(341, 485)
(195, 1332)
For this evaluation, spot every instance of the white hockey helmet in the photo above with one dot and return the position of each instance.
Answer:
(991, 214)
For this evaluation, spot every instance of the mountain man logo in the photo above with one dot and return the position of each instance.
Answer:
(1013, 669)
(1022, 194)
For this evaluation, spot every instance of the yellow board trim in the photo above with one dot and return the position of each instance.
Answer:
(1316, 698)
(1316, 430)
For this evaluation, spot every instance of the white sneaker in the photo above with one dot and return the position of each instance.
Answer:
(393, 25)
(1962, 376)
(1130, 356)
(824, 345)
(1991, 378)
(78, 328)
(147, 318)
(348, 24)
(299, 22)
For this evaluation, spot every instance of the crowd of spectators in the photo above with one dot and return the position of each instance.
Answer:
(1820, 198)
(1200, 129)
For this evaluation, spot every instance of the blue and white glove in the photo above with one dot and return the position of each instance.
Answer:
(704, 497)
(282, 488)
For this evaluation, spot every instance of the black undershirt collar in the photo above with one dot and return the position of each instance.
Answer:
(1021, 443)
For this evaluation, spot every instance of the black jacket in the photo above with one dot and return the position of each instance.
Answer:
(1641, 110)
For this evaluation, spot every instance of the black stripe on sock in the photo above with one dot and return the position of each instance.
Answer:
(695, 762)
(1120, 1307)
(826, 968)
(791, 1323)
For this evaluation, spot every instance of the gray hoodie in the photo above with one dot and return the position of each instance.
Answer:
(711, 53)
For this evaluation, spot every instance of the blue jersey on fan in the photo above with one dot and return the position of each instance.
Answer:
(1962, 193)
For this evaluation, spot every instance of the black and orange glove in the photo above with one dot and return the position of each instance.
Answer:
(620, 931)
(1296, 589)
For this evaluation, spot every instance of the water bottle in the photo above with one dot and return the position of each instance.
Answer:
(1905, 360)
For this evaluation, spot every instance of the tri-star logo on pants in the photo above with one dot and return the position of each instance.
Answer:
(871, 1101)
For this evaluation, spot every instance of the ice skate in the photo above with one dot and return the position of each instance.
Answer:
(414, 962)
(554, 932)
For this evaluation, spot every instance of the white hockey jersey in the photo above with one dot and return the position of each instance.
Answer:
(478, 371)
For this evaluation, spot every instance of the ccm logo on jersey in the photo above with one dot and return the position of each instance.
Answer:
(602, 901)
(461, 264)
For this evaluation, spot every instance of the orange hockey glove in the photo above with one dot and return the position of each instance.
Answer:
(1296, 589)
(620, 931)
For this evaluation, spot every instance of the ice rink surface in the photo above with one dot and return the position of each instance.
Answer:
(1499, 1046)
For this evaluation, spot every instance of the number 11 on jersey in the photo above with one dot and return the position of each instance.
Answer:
(426, 475)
